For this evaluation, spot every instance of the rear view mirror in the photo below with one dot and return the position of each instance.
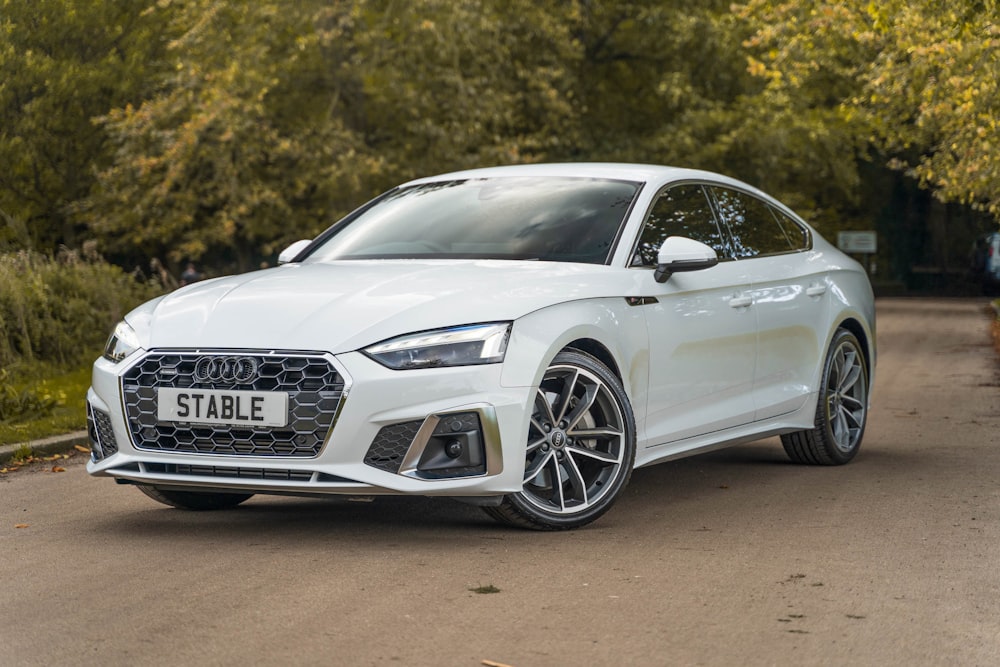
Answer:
(289, 253)
(679, 253)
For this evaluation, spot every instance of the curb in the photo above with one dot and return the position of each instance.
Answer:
(57, 444)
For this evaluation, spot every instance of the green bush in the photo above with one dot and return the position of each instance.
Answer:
(25, 403)
(60, 310)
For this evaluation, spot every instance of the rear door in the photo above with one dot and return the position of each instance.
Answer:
(789, 291)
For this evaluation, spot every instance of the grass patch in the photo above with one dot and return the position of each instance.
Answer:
(64, 391)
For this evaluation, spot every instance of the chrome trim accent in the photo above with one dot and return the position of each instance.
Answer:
(225, 369)
(491, 442)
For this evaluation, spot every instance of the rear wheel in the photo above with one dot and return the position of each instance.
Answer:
(195, 500)
(580, 447)
(841, 411)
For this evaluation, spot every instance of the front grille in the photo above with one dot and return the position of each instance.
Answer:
(233, 473)
(313, 385)
(102, 437)
(391, 444)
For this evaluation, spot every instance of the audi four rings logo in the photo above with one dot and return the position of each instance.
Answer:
(225, 369)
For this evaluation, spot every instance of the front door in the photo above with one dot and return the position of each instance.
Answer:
(702, 328)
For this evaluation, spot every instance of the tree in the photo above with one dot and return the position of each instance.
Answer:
(915, 80)
(277, 118)
(243, 139)
(62, 62)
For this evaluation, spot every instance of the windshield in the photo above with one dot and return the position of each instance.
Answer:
(552, 219)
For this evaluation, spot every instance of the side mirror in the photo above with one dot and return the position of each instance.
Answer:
(679, 253)
(289, 253)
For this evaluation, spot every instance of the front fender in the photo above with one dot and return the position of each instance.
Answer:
(620, 328)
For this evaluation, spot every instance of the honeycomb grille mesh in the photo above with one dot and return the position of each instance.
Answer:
(313, 385)
(102, 437)
(390, 445)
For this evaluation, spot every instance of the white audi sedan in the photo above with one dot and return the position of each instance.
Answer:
(519, 338)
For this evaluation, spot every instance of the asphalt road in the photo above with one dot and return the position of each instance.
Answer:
(737, 557)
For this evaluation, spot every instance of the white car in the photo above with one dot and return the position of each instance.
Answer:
(518, 337)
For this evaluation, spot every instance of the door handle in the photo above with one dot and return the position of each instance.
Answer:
(816, 290)
(740, 301)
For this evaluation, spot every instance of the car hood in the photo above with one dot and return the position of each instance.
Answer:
(346, 305)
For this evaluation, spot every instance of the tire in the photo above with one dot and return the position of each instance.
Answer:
(582, 433)
(195, 500)
(841, 409)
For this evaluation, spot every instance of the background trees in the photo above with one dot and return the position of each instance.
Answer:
(219, 131)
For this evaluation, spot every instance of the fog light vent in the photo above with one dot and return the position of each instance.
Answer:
(102, 437)
(391, 444)
(455, 448)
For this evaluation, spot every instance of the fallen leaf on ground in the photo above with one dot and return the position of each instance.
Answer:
(58, 469)
(21, 525)
(81, 448)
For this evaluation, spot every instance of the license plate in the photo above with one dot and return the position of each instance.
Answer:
(212, 406)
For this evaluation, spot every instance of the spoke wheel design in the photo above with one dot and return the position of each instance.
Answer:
(842, 410)
(846, 397)
(580, 447)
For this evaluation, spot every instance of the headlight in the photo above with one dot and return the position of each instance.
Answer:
(122, 342)
(458, 346)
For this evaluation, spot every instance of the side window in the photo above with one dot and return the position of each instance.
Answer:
(797, 235)
(754, 228)
(682, 210)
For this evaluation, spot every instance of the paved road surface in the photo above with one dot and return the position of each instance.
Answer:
(737, 557)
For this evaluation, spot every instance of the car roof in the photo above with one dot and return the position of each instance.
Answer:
(620, 171)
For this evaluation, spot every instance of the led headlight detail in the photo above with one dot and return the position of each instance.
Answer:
(122, 342)
(457, 346)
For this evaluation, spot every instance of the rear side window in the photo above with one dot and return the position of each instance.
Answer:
(683, 210)
(796, 233)
(755, 229)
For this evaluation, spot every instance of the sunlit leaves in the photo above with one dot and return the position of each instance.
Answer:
(918, 79)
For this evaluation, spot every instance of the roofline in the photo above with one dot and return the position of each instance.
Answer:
(644, 173)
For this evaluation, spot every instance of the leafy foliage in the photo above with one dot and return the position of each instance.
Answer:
(913, 79)
(276, 114)
(61, 310)
(62, 62)
(220, 131)
(21, 403)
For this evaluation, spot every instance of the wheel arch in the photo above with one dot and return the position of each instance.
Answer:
(859, 331)
(597, 350)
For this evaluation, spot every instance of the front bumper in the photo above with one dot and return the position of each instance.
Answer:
(412, 413)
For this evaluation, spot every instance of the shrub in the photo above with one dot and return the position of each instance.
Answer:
(60, 310)
(16, 404)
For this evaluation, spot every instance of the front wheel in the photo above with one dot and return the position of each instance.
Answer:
(580, 447)
(193, 500)
(841, 411)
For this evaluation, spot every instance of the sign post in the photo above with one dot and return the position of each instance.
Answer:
(860, 243)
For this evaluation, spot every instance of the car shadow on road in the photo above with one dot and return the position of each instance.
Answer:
(389, 519)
